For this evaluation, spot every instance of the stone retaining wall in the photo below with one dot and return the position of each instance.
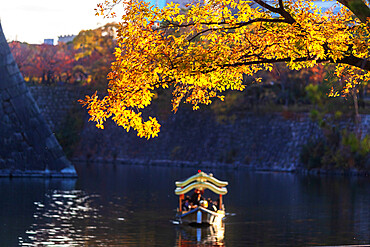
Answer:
(266, 141)
(55, 102)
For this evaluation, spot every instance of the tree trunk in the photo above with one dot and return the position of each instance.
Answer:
(355, 102)
(358, 7)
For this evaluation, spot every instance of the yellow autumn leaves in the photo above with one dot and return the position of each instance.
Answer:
(203, 50)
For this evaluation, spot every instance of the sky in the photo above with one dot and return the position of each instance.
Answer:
(32, 21)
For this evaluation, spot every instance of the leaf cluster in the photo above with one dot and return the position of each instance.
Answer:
(202, 51)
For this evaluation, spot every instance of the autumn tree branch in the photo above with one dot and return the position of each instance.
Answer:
(236, 25)
(361, 63)
(281, 11)
(358, 7)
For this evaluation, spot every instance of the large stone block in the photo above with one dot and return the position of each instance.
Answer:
(51, 142)
(2, 164)
(4, 48)
(17, 90)
(12, 68)
(17, 137)
(3, 76)
(6, 81)
(15, 122)
(10, 164)
(56, 151)
(68, 169)
(35, 140)
(33, 107)
(8, 108)
(3, 61)
(17, 77)
(29, 154)
(35, 162)
(44, 128)
(2, 113)
(4, 95)
(20, 110)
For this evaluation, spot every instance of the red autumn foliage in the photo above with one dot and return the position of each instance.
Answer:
(85, 61)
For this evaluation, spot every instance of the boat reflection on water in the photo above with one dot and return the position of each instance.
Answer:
(212, 235)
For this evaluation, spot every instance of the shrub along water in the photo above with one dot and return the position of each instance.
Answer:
(337, 147)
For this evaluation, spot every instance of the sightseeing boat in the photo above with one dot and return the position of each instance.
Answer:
(201, 211)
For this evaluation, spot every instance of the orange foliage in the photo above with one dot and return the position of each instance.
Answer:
(202, 51)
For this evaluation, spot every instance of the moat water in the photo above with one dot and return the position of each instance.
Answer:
(133, 206)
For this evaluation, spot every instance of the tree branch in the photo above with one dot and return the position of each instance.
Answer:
(358, 7)
(238, 25)
(281, 4)
(267, 6)
(360, 63)
(281, 11)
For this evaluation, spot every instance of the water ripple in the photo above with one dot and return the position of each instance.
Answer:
(65, 218)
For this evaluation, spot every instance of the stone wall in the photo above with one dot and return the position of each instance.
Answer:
(265, 141)
(27, 146)
(55, 102)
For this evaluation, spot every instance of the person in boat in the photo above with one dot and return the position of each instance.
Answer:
(211, 205)
(196, 198)
(215, 205)
(186, 204)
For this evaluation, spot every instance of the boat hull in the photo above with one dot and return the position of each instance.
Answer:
(201, 216)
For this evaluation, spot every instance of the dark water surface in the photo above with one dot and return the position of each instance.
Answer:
(133, 205)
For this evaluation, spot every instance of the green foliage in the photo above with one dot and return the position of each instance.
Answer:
(355, 144)
(312, 153)
(323, 106)
(340, 150)
(69, 133)
(226, 112)
(315, 94)
(336, 149)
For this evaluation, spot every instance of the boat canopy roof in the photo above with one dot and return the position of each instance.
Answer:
(201, 181)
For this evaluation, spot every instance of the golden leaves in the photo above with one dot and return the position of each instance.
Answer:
(97, 109)
(204, 50)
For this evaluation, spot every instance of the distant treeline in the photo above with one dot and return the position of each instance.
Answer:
(86, 60)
